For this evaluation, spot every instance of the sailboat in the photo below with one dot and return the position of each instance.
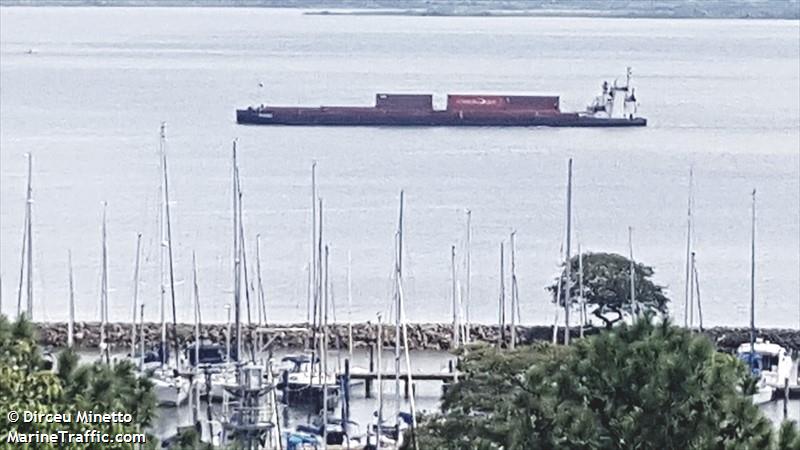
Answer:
(327, 431)
(170, 389)
(769, 363)
(390, 435)
(302, 378)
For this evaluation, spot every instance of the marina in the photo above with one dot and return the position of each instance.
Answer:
(314, 286)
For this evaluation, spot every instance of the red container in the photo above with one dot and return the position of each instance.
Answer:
(475, 102)
(535, 103)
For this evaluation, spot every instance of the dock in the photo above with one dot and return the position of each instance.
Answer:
(369, 377)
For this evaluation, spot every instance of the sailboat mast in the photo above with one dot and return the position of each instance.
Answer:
(236, 254)
(398, 310)
(170, 259)
(22, 263)
(514, 300)
(135, 293)
(313, 261)
(243, 274)
(568, 264)
(162, 249)
(501, 304)
(228, 334)
(691, 291)
(71, 323)
(696, 279)
(559, 284)
(454, 294)
(104, 291)
(324, 355)
(141, 336)
(29, 214)
(243, 250)
(380, 382)
(196, 291)
(350, 306)
(317, 304)
(468, 276)
(634, 305)
(688, 288)
(409, 378)
(580, 290)
(262, 305)
(753, 280)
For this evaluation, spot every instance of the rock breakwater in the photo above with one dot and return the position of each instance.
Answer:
(422, 336)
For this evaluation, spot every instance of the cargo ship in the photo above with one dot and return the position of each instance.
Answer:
(615, 106)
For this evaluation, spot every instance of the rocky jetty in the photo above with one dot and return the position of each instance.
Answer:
(422, 336)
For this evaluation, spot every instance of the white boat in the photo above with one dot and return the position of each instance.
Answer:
(763, 393)
(303, 383)
(771, 362)
(169, 389)
(221, 377)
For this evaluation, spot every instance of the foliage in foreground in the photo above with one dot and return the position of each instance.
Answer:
(643, 386)
(26, 384)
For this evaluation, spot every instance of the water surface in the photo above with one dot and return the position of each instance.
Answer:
(87, 101)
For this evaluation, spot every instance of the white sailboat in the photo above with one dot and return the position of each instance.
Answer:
(169, 388)
(769, 362)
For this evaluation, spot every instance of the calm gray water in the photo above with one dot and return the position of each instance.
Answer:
(721, 96)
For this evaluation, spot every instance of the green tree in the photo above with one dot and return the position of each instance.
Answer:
(644, 386)
(607, 287)
(28, 384)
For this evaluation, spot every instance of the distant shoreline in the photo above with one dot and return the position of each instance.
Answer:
(578, 14)
(321, 8)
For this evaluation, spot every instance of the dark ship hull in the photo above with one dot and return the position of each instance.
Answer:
(418, 111)
(438, 119)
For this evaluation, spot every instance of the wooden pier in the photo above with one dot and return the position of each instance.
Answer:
(371, 376)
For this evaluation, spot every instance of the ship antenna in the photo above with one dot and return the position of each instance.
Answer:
(628, 81)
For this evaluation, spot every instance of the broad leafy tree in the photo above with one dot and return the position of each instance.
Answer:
(607, 287)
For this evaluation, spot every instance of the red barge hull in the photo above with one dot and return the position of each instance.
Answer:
(417, 110)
